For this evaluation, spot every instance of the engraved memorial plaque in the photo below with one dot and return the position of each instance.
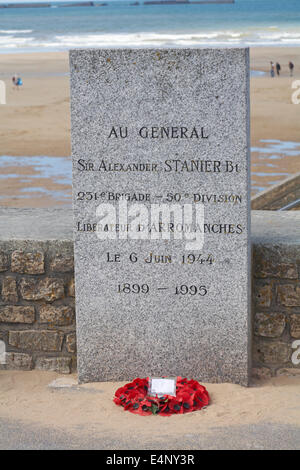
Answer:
(160, 148)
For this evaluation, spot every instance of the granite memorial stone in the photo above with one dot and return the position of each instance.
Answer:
(160, 148)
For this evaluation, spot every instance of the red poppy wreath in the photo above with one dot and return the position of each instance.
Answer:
(190, 396)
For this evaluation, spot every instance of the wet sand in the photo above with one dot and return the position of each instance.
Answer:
(272, 162)
(38, 181)
(36, 119)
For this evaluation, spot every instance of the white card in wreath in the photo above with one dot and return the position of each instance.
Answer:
(160, 386)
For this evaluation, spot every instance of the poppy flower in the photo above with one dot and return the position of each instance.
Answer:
(128, 404)
(147, 402)
(175, 406)
(165, 410)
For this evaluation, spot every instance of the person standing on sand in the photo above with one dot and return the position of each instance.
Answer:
(14, 81)
(272, 71)
(291, 67)
(19, 82)
(278, 68)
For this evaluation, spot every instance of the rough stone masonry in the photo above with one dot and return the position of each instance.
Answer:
(37, 314)
(160, 144)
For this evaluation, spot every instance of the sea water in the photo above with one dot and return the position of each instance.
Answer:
(121, 24)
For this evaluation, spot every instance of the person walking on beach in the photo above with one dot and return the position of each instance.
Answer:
(278, 68)
(19, 82)
(14, 81)
(291, 67)
(272, 71)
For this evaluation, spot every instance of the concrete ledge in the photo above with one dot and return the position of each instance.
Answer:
(275, 227)
(36, 224)
(282, 196)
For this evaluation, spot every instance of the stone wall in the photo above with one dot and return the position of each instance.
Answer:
(37, 318)
(37, 315)
(276, 307)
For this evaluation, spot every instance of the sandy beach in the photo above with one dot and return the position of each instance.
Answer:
(87, 411)
(36, 119)
(273, 115)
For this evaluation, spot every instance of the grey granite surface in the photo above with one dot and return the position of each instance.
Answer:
(188, 319)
